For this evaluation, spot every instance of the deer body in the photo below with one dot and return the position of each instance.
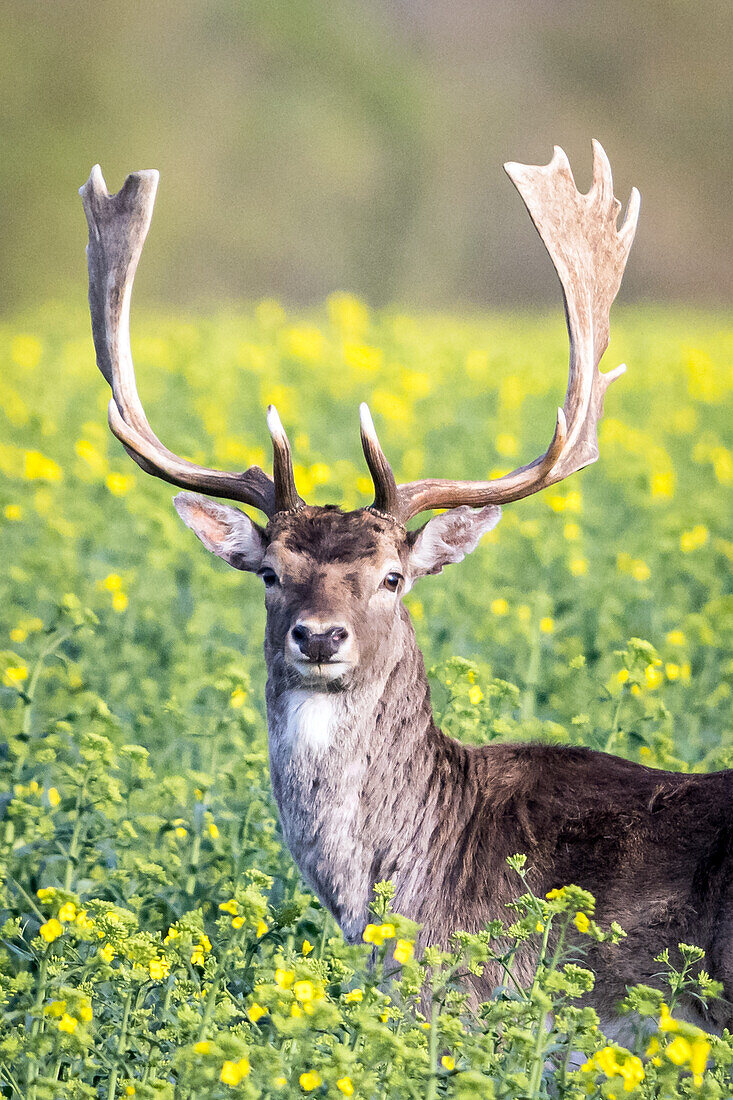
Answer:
(388, 796)
(368, 787)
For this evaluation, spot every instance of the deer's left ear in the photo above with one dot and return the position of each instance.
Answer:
(448, 537)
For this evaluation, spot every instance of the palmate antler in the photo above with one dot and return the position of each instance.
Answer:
(589, 254)
(118, 226)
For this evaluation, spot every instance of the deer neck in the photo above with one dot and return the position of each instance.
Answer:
(350, 770)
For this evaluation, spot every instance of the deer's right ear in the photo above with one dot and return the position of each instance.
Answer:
(224, 530)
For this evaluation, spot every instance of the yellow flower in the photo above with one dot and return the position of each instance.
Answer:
(18, 634)
(67, 912)
(255, 1012)
(26, 351)
(83, 921)
(506, 445)
(112, 582)
(16, 674)
(700, 1049)
(51, 930)
(119, 484)
(622, 675)
(581, 922)
(202, 1047)
(309, 1081)
(305, 343)
(237, 698)
(679, 1050)
(197, 957)
(694, 539)
(345, 1086)
(233, 1072)
(672, 670)
(213, 830)
(662, 484)
(571, 531)
(547, 625)
(180, 832)
(86, 1012)
(666, 1022)
(447, 1062)
(284, 978)
(53, 799)
(475, 694)
(93, 458)
(676, 638)
(354, 996)
(280, 1082)
(40, 468)
(107, 952)
(307, 947)
(261, 928)
(238, 922)
(640, 571)
(230, 906)
(119, 601)
(373, 934)
(14, 513)
(130, 1090)
(56, 1008)
(303, 991)
(68, 1023)
(652, 677)
(578, 567)
(363, 358)
(499, 606)
(403, 951)
(159, 969)
(539, 927)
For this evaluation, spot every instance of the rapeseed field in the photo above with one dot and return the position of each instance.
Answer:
(156, 938)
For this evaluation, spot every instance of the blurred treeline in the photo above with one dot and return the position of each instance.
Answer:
(310, 145)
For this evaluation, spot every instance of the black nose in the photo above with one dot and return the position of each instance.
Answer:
(318, 647)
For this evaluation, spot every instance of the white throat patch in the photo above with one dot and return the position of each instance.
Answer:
(311, 719)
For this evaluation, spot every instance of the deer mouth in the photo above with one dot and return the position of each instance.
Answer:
(325, 671)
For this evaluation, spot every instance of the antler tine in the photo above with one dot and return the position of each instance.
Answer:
(118, 226)
(286, 494)
(385, 486)
(589, 254)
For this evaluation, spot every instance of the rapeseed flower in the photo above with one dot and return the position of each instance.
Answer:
(16, 674)
(345, 1086)
(404, 950)
(234, 1072)
(51, 930)
(310, 1080)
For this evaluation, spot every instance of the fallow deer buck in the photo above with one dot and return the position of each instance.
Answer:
(368, 787)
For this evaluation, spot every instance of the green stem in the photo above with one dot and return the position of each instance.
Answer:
(74, 843)
(432, 1090)
(32, 1068)
(121, 1044)
(37, 669)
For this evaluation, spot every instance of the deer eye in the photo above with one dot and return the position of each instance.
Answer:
(269, 577)
(392, 581)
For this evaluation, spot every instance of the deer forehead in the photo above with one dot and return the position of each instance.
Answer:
(332, 543)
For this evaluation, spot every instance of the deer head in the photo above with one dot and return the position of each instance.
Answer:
(333, 580)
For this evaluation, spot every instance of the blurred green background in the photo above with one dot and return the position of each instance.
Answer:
(310, 146)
